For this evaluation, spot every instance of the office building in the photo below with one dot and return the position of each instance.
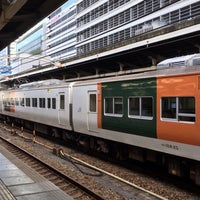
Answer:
(105, 23)
(61, 33)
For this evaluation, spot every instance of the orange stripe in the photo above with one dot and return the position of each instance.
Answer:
(175, 87)
(12, 108)
(12, 95)
(99, 101)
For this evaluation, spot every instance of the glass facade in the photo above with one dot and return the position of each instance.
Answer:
(32, 43)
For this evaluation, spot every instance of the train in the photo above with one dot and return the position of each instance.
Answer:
(151, 116)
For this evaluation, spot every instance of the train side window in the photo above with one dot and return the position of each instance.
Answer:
(16, 101)
(12, 102)
(92, 104)
(118, 105)
(48, 102)
(53, 103)
(147, 106)
(108, 102)
(34, 102)
(113, 106)
(134, 106)
(62, 102)
(168, 105)
(8, 101)
(28, 102)
(42, 103)
(22, 101)
(178, 108)
(140, 107)
(4, 101)
(186, 109)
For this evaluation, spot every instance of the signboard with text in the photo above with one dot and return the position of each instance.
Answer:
(5, 69)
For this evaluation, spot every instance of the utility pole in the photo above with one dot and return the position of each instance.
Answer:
(9, 54)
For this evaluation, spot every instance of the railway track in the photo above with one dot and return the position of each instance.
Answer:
(124, 188)
(65, 183)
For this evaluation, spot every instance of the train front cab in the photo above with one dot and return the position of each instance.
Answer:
(179, 122)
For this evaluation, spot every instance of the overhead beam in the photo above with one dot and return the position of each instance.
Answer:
(6, 36)
(1, 7)
(21, 15)
(24, 17)
(10, 11)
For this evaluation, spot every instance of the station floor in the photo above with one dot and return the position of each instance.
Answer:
(19, 182)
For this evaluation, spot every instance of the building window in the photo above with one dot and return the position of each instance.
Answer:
(140, 107)
(113, 106)
(178, 109)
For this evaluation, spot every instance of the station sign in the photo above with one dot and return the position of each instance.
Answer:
(5, 69)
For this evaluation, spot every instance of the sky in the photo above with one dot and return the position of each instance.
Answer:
(68, 3)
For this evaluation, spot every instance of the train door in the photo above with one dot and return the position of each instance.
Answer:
(61, 108)
(92, 111)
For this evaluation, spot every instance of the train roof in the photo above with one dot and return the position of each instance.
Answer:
(37, 84)
(185, 63)
(152, 72)
(181, 61)
(142, 74)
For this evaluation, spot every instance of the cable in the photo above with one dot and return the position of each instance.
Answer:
(76, 163)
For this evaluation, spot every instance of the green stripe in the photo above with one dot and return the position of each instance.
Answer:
(126, 89)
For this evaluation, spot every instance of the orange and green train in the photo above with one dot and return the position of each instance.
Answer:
(163, 107)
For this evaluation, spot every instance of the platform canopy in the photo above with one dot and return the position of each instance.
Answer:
(18, 16)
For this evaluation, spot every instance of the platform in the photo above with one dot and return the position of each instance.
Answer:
(19, 181)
